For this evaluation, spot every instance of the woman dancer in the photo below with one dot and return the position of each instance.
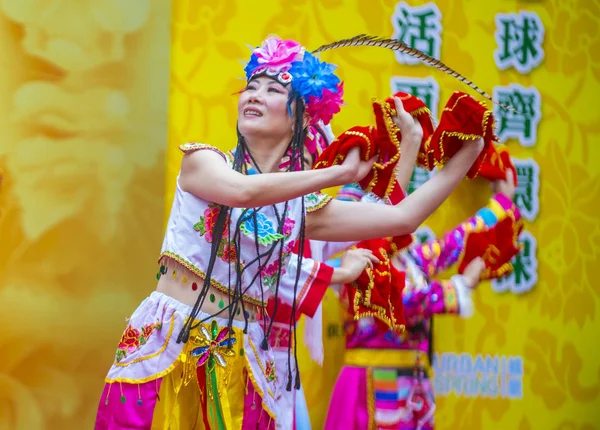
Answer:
(195, 352)
(384, 383)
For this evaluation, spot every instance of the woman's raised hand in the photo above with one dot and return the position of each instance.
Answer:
(353, 168)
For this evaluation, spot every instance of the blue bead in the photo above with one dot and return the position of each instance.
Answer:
(434, 297)
(140, 402)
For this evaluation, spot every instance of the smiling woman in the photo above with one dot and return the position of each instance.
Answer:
(220, 262)
(263, 112)
(235, 221)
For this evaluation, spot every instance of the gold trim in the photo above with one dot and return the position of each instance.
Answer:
(147, 378)
(213, 282)
(392, 130)
(363, 357)
(179, 361)
(371, 399)
(320, 205)
(262, 368)
(379, 312)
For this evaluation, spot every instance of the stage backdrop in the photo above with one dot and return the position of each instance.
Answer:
(530, 358)
(83, 111)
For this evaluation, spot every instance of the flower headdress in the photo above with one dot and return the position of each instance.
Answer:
(312, 79)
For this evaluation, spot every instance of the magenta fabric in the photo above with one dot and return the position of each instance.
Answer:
(133, 414)
(348, 408)
(255, 418)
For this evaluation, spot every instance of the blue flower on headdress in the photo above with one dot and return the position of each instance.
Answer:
(252, 65)
(312, 76)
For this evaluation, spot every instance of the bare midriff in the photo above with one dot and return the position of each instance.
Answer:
(183, 285)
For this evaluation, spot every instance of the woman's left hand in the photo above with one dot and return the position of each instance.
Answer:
(409, 126)
(354, 168)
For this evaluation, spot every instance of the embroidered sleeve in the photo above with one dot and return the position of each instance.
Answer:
(451, 296)
(354, 193)
(189, 147)
(315, 201)
(437, 255)
(314, 279)
(350, 193)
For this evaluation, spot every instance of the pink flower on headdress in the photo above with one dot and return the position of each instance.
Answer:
(278, 54)
(325, 107)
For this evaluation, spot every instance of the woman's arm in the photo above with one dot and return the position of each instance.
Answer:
(451, 296)
(407, 162)
(206, 175)
(437, 255)
(315, 277)
(409, 145)
(344, 221)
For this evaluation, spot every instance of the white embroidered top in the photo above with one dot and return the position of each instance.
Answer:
(189, 236)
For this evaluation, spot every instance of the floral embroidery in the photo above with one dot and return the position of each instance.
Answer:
(288, 227)
(311, 199)
(133, 338)
(226, 251)
(315, 201)
(263, 227)
(214, 345)
(269, 273)
(270, 370)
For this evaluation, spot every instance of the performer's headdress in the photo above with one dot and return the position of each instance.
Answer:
(312, 80)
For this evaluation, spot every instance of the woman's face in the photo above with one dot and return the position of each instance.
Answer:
(263, 111)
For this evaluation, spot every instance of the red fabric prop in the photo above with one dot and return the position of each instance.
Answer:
(496, 163)
(377, 292)
(383, 141)
(497, 246)
(463, 118)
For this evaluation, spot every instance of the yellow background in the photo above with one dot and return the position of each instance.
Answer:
(83, 199)
(83, 126)
(554, 326)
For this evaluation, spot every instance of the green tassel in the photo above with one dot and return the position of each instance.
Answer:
(214, 407)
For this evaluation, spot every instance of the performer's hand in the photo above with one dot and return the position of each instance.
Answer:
(473, 272)
(472, 146)
(506, 186)
(353, 168)
(352, 265)
(409, 126)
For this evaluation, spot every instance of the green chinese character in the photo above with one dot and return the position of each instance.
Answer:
(522, 262)
(522, 124)
(528, 188)
(426, 89)
(519, 38)
(419, 27)
(524, 193)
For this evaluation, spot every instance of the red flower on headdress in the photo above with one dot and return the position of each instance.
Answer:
(325, 107)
